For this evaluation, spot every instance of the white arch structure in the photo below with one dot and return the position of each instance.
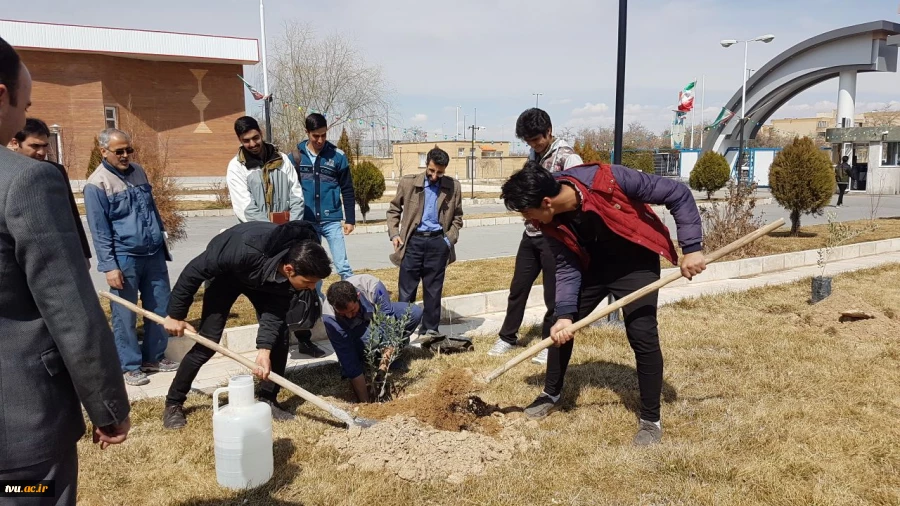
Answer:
(841, 53)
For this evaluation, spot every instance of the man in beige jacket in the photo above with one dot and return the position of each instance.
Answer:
(425, 234)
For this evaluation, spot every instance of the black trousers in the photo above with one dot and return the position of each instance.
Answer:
(640, 325)
(842, 187)
(218, 299)
(533, 257)
(425, 259)
(63, 471)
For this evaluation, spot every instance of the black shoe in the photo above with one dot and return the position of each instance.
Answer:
(173, 417)
(308, 348)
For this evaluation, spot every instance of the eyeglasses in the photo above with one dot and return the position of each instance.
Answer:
(121, 152)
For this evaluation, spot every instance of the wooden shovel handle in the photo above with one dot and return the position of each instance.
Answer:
(244, 361)
(620, 303)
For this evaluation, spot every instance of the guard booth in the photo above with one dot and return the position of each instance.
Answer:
(874, 155)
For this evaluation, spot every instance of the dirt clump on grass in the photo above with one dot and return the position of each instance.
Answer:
(416, 452)
(828, 315)
(447, 403)
(443, 433)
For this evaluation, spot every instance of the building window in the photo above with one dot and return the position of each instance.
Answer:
(461, 152)
(112, 116)
(891, 154)
(821, 124)
(422, 159)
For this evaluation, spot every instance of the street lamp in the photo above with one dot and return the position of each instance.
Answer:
(728, 43)
(537, 97)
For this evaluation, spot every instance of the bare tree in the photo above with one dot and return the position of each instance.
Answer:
(327, 75)
(567, 134)
(637, 136)
(415, 134)
(770, 138)
(885, 116)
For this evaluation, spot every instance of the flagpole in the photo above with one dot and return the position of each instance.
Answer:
(702, 97)
(692, 122)
(267, 99)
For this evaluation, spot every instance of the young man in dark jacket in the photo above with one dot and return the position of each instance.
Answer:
(327, 184)
(265, 262)
(607, 240)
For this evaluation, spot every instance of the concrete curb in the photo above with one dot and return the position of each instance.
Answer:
(242, 339)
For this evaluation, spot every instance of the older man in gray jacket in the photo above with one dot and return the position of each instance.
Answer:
(56, 349)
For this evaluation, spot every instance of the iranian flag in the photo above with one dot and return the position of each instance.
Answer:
(721, 119)
(686, 97)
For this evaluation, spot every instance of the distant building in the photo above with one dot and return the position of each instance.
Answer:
(816, 126)
(492, 159)
(181, 88)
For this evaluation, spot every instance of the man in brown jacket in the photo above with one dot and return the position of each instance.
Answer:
(424, 236)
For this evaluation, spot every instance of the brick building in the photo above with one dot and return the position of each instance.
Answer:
(180, 89)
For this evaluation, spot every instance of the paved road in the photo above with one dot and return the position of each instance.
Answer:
(370, 251)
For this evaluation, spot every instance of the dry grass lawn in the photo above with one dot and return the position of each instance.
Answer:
(474, 276)
(181, 205)
(375, 217)
(465, 194)
(766, 401)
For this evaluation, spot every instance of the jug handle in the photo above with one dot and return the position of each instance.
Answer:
(216, 395)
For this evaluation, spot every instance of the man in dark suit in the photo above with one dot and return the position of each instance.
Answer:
(33, 141)
(56, 348)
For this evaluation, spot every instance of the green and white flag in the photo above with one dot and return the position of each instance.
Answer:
(721, 119)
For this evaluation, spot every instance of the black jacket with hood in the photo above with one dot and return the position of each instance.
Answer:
(248, 255)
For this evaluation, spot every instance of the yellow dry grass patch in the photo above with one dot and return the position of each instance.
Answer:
(466, 194)
(490, 274)
(766, 400)
(181, 205)
(377, 217)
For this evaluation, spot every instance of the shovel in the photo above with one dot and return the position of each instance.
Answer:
(620, 303)
(317, 401)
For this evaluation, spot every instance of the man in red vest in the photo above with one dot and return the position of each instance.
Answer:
(607, 240)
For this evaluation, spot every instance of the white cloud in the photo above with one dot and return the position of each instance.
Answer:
(419, 118)
(590, 109)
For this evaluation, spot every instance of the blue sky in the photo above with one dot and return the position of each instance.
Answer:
(494, 54)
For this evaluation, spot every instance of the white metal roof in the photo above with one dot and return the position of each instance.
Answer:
(138, 44)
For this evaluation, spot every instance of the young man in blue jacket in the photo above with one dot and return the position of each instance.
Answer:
(607, 240)
(129, 240)
(327, 184)
(347, 316)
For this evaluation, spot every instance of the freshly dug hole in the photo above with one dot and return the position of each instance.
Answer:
(447, 404)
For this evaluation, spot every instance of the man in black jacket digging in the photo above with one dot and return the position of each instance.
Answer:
(268, 264)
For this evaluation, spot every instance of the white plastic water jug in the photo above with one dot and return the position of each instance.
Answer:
(242, 431)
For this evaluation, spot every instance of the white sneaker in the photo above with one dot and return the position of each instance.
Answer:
(501, 347)
(540, 358)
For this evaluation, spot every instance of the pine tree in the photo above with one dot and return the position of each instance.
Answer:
(344, 145)
(802, 180)
(710, 174)
(95, 158)
(368, 185)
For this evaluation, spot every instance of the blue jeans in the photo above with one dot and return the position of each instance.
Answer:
(148, 276)
(334, 234)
